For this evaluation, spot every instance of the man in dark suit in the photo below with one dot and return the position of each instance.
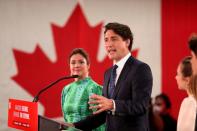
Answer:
(127, 87)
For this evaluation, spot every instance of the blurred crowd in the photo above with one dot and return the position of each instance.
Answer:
(160, 118)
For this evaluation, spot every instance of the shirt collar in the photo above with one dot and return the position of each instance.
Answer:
(120, 65)
(122, 62)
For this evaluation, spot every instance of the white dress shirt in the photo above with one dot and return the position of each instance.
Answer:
(120, 65)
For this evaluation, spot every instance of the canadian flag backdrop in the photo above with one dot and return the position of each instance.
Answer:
(37, 36)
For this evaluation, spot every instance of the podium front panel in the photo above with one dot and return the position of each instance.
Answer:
(45, 124)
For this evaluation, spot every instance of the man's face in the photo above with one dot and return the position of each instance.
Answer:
(115, 46)
(194, 63)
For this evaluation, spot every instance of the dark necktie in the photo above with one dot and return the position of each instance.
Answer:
(112, 80)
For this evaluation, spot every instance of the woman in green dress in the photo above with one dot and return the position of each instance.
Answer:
(75, 96)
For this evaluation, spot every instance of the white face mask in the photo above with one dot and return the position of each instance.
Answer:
(157, 109)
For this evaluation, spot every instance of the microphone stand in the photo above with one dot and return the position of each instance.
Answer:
(36, 98)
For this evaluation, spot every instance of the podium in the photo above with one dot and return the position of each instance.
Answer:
(45, 124)
(23, 115)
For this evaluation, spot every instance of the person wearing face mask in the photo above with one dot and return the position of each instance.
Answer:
(162, 106)
(155, 121)
(75, 96)
(187, 112)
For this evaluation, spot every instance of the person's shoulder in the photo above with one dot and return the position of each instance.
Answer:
(94, 87)
(68, 86)
(137, 61)
(94, 83)
(188, 101)
(138, 64)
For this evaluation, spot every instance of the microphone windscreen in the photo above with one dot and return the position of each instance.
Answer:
(75, 76)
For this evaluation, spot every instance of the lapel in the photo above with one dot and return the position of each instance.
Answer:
(106, 82)
(123, 75)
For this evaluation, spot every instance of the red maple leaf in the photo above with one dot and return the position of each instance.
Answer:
(36, 71)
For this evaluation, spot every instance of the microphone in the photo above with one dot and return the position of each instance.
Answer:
(36, 98)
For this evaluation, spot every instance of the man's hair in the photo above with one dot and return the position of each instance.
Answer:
(193, 43)
(80, 51)
(122, 30)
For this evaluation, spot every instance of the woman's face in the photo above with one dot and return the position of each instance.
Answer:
(182, 81)
(79, 66)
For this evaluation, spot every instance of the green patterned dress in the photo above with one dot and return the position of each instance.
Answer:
(75, 97)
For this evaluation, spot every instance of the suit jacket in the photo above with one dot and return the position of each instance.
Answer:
(131, 96)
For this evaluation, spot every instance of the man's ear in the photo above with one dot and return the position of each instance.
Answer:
(128, 42)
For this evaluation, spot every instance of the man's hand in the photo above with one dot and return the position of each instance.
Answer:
(101, 103)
